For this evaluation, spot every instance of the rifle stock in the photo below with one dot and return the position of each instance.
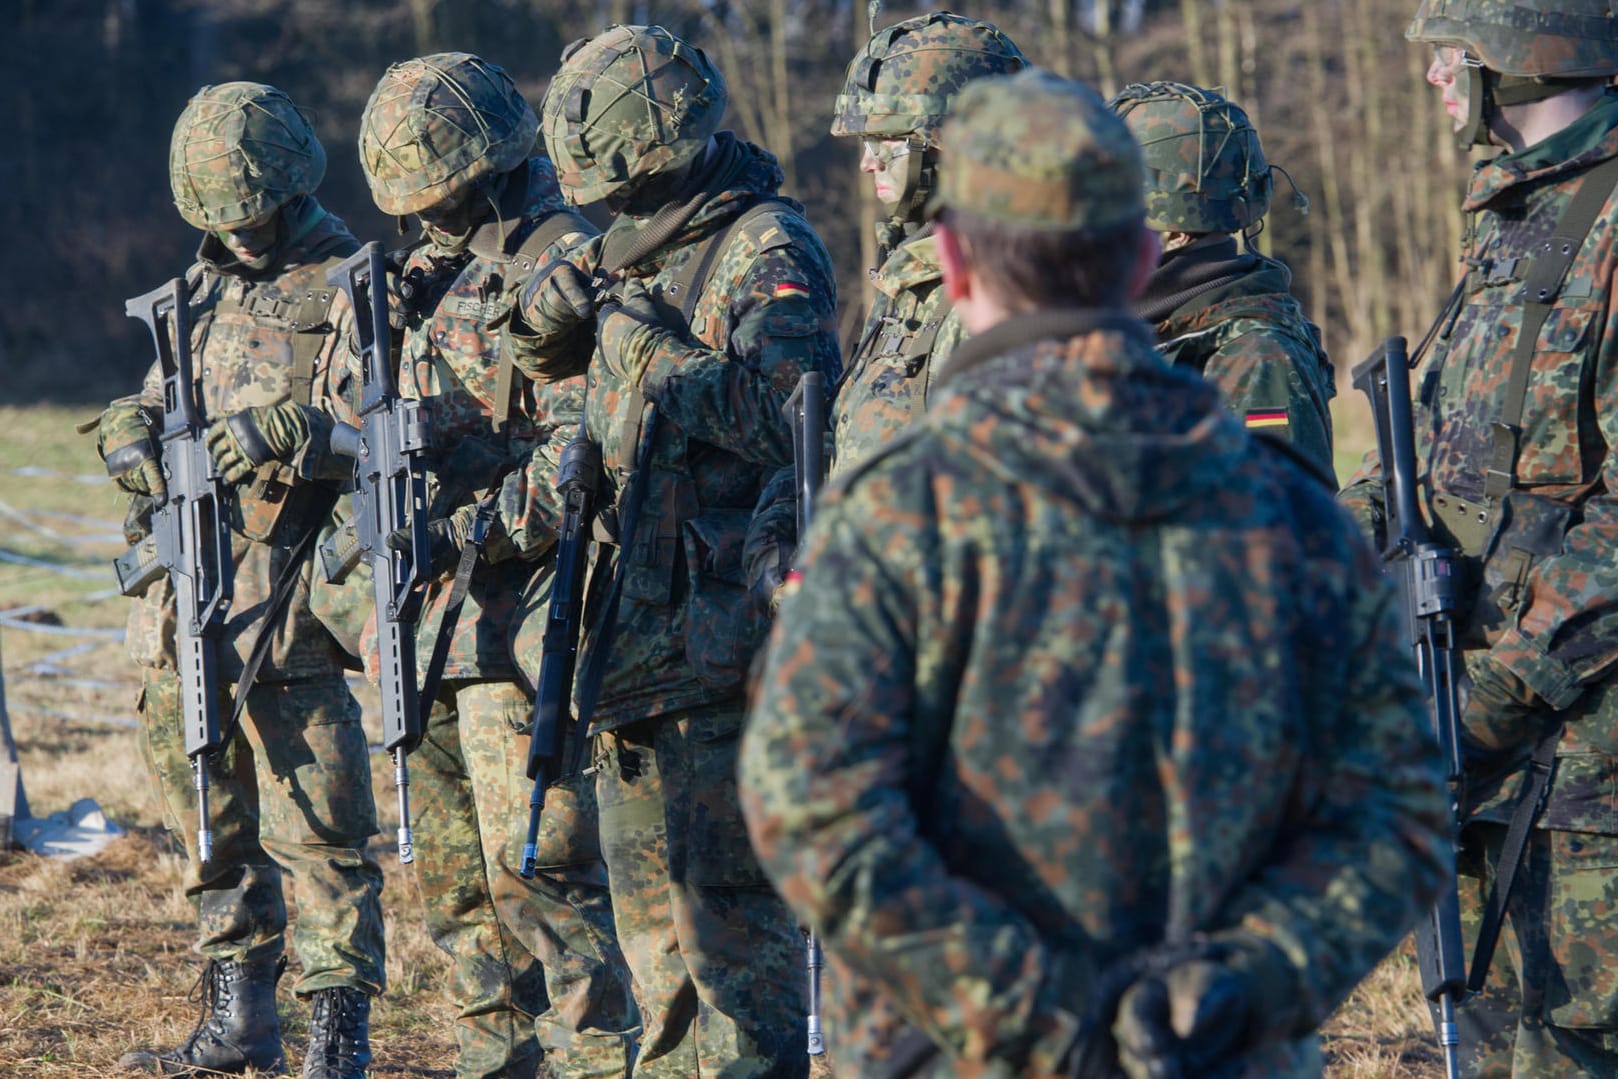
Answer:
(578, 482)
(389, 449)
(1425, 572)
(191, 534)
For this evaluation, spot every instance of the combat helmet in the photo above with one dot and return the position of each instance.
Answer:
(1542, 39)
(901, 83)
(241, 151)
(1205, 169)
(437, 125)
(631, 103)
(1519, 51)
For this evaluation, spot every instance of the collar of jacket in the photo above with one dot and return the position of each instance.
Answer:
(1591, 138)
(912, 265)
(1052, 324)
(1187, 274)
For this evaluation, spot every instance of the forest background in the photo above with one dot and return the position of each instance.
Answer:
(91, 88)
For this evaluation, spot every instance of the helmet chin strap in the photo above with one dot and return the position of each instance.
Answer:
(1488, 91)
(1479, 108)
(921, 166)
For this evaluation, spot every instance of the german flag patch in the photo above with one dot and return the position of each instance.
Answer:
(1266, 417)
(787, 290)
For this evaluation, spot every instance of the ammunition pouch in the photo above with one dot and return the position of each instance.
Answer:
(274, 508)
(1499, 547)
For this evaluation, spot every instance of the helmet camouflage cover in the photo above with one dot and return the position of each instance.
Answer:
(1037, 151)
(438, 124)
(240, 151)
(631, 103)
(1205, 169)
(1561, 39)
(903, 80)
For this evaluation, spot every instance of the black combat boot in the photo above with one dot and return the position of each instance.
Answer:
(238, 1029)
(339, 1035)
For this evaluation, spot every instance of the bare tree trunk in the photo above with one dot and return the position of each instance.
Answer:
(423, 26)
(1324, 110)
(1191, 15)
(1106, 69)
(781, 139)
(1061, 24)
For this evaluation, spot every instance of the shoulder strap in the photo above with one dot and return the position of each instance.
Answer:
(547, 232)
(1542, 283)
(311, 322)
(687, 285)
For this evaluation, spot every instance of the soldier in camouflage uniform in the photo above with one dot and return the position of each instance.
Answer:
(708, 297)
(448, 137)
(1516, 422)
(895, 96)
(1061, 781)
(292, 787)
(1225, 313)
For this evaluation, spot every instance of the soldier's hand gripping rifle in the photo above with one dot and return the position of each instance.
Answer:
(578, 482)
(190, 538)
(1425, 573)
(390, 479)
(806, 413)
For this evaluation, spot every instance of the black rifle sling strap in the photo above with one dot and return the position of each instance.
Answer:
(457, 599)
(311, 329)
(687, 286)
(1541, 285)
(547, 232)
(1530, 804)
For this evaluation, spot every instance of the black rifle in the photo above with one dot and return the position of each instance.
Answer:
(578, 481)
(806, 412)
(390, 492)
(1425, 571)
(190, 538)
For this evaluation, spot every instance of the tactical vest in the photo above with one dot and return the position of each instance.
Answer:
(1505, 536)
(257, 323)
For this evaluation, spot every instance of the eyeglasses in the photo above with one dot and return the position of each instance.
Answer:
(886, 152)
(1450, 59)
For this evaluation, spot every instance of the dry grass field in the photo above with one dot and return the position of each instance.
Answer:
(94, 954)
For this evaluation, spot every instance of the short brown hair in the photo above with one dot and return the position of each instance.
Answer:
(1028, 268)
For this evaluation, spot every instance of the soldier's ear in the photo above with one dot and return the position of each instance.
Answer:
(952, 260)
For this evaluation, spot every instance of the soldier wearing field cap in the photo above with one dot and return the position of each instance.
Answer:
(1066, 786)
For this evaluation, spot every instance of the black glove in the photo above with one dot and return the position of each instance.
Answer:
(244, 440)
(1197, 1007)
(126, 439)
(446, 536)
(558, 299)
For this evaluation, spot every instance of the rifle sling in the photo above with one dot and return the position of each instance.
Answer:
(1541, 285)
(1536, 790)
(286, 582)
(457, 599)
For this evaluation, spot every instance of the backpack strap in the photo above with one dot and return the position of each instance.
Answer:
(685, 288)
(1542, 284)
